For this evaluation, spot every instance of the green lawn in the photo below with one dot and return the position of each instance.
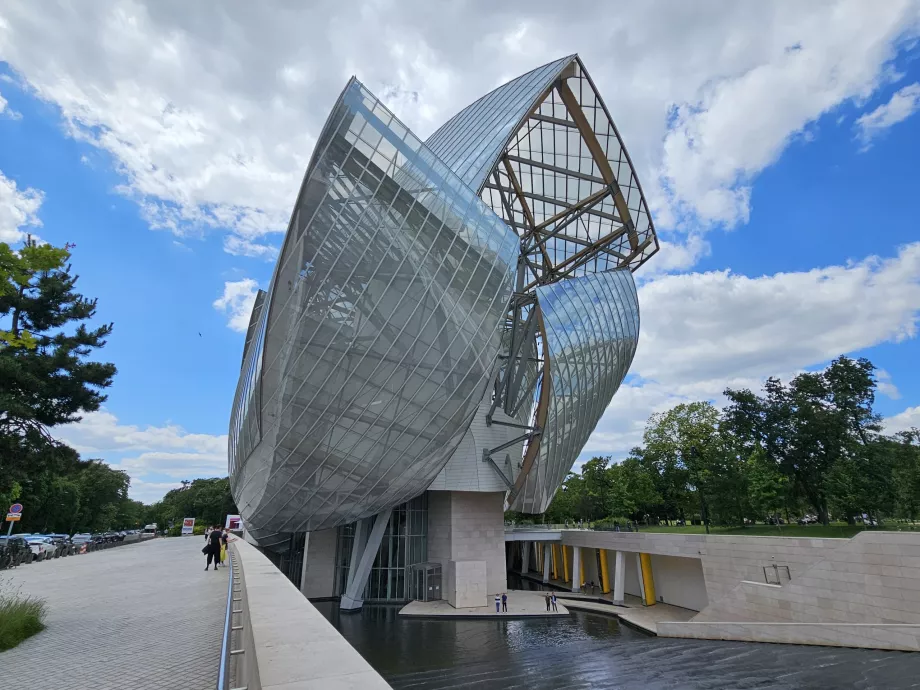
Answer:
(839, 530)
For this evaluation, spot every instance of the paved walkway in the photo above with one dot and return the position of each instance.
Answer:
(140, 616)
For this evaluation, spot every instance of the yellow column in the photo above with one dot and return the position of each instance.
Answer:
(646, 561)
(552, 552)
(581, 564)
(605, 573)
(565, 564)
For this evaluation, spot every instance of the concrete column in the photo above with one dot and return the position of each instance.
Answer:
(619, 578)
(353, 598)
(547, 555)
(576, 569)
(303, 565)
(525, 557)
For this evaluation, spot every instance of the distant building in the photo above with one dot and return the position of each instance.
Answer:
(446, 324)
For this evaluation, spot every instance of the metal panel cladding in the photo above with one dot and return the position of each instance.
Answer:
(382, 328)
(591, 332)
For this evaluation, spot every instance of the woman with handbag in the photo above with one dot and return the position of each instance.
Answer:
(212, 548)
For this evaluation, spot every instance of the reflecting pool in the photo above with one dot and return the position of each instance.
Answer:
(595, 651)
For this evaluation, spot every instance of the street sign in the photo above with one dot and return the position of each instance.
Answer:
(16, 508)
(188, 526)
(13, 517)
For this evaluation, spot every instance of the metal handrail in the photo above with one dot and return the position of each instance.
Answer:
(225, 644)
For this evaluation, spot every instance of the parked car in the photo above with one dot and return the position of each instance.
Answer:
(62, 544)
(14, 551)
(42, 547)
(81, 540)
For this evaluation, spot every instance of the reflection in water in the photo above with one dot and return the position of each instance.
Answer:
(593, 651)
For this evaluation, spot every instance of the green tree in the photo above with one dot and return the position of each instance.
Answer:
(766, 485)
(811, 424)
(47, 376)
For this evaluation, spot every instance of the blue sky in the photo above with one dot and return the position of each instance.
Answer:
(777, 146)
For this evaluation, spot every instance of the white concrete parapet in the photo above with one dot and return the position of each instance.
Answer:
(286, 642)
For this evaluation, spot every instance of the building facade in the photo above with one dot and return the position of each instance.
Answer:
(447, 322)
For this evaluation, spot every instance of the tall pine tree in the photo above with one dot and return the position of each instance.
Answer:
(47, 376)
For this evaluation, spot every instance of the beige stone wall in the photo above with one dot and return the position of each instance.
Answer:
(320, 581)
(466, 526)
(863, 591)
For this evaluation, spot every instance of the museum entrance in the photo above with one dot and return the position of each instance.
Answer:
(425, 582)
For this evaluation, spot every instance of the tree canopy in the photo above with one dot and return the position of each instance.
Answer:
(814, 444)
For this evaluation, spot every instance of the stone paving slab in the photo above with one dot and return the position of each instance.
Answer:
(643, 617)
(141, 616)
(521, 604)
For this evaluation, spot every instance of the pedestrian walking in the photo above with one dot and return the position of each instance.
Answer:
(224, 538)
(504, 602)
(498, 603)
(547, 601)
(553, 600)
(212, 548)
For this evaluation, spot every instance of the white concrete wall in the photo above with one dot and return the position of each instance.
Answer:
(592, 574)
(631, 582)
(679, 581)
(320, 580)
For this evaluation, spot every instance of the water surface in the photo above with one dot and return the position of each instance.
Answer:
(595, 651)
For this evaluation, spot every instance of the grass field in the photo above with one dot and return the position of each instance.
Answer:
(839, 530)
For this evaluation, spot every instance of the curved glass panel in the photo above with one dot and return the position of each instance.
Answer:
(592, 329)
(382, 328)
(472, 140)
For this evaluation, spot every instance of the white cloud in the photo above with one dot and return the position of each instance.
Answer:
(243, 247)
(908, 419)
(100, 433)
(155, 457)
(237, 301)
(18, 210)
(703, 332)
(210, 110)
(6, 111)
(743, 119)
(886, 385)
(902, 105)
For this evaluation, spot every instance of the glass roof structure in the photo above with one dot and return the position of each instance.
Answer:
(486, 270)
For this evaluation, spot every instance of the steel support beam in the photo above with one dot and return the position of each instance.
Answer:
(353, 599)
(599, 155)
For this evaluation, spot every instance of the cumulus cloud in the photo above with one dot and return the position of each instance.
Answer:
(18, 210)
(902, 105)
(155, 457)
(908, 419)
(743, 120)
(100, 432)
(237, 301)
(703, 332)
(210, 110)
